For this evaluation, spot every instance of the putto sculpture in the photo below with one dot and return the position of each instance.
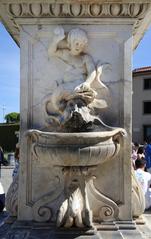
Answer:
(75, 97)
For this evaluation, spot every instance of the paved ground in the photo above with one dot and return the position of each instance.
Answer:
(11, 229)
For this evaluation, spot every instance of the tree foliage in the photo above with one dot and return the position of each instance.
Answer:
(13, 117)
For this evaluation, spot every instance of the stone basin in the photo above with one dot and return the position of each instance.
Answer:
(76, 149)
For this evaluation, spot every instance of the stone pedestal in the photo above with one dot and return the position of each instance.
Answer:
(107, 43)
(110, 27)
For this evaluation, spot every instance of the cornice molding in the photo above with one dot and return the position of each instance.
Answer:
(75, 1)
(12, 10)
(76, 10)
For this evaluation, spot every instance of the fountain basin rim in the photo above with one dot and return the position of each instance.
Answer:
(99, 134)
(75, 149)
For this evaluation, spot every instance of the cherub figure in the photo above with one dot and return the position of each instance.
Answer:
(81, 71)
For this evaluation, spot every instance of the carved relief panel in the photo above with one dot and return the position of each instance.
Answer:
(47, 72)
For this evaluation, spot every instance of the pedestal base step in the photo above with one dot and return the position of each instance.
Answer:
(109, 230)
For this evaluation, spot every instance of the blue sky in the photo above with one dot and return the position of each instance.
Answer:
(9, 74)
(10, 69)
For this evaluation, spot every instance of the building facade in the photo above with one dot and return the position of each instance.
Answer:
(141, 104)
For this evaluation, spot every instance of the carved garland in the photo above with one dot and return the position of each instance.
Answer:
(77, 10)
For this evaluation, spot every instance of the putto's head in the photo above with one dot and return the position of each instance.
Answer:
(77, 41)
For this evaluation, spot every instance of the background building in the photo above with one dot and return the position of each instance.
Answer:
(141, 111)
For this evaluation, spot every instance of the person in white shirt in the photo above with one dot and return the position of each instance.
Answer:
(144, 179)
(2, 198)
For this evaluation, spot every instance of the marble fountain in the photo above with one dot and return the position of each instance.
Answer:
(76, 95)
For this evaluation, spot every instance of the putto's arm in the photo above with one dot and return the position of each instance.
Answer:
(91, 75)
(91, 71)
(53, 49)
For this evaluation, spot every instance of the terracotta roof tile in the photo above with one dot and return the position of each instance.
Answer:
(142, 69)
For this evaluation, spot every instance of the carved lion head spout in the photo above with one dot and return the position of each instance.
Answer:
(74, 113)
(76, 116)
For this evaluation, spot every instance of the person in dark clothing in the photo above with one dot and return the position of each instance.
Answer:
(140, 152)
(2, 198)
(1, 155)
(2, 194)
(148, 154)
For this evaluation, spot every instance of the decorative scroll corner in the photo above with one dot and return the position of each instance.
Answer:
(11, 201)
(42, 213)
(106, 213)
(138, 198)
(107, 209)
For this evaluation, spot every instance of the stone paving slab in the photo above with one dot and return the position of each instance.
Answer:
(30, 230)
(111, 235)
(131, 234)
(146, 228)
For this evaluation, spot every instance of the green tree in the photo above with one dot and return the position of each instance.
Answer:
(13, 117)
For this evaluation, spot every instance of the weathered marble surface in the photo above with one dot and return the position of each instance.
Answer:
(39, 76)
(109, 27)
(77, 156)
(138, 198)
(12, 11)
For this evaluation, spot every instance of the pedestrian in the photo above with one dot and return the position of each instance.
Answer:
(140, 152)
(2, 198)
(135, 147)
(2, 194)
(16, 169)
(148, 154)
(1, 155)
(144, 179)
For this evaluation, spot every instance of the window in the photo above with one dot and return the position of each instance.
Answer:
(147, 107)
(147, 84)
(147, 131)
